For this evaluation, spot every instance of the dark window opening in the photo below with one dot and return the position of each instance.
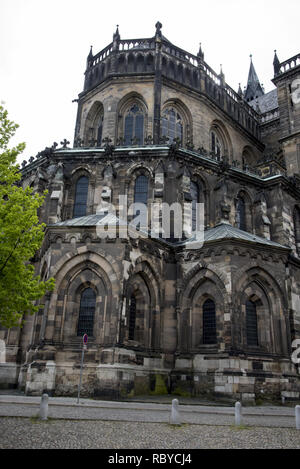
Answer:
(81, 194)
(86, 312)
(132, 318)
(209, 323)
(241, 214)
(251, 323)
(99, 132)
(195, 200)
(141, 197)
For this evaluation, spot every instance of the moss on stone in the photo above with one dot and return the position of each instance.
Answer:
(160, 386)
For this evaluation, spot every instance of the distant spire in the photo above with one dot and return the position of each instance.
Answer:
(276, 64)
(254, 89)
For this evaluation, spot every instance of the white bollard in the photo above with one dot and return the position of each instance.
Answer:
(44, 407)
(297, 415)
(175, 416)
(238, 413)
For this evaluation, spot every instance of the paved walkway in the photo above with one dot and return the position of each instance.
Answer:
(89, 409)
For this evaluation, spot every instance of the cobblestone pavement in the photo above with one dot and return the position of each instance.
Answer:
(141, 425)
(27, 406)
(20, 432)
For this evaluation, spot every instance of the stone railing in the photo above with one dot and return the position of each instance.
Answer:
(137, 56)
(269, 116)
(289, 64)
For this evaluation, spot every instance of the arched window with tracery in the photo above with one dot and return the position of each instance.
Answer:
(93, 132)
(134, 125)
(172, 124)
(86, 313)
(81, 195)
(216, 143)
(251, 323)
(209, 322)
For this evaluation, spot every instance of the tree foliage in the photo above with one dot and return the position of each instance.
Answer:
(21, 235)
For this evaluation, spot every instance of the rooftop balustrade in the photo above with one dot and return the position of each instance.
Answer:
(137, 56)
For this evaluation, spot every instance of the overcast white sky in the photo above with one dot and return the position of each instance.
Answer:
(44, 45)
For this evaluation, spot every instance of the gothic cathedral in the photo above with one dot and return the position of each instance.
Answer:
(167, 313)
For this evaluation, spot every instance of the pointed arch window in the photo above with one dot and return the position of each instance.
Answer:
(86, 312)
(216, 144)
(209, 322)
(134, 126)
(172, 125)
(81, 194)
(241, 214)
(251, 323)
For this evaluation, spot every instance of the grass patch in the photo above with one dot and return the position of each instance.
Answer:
(177, 427)
(35, 419)
(239, 427)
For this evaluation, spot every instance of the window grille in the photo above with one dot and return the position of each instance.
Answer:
(134, 126)
(251, 323)
(209, 323)
(81, 194)
(132, 318)
(86, 312)
(195, 200)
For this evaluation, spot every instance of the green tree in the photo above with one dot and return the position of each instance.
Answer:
(21, 235)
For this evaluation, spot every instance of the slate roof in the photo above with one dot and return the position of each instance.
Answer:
(267, 102)
(227, 231)
(220, 232)
(93, 220)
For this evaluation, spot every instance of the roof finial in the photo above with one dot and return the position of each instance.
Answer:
(158, 29)
(222, 76)
(276, 63)
(200, 54)
(116, 36)
(90, 56)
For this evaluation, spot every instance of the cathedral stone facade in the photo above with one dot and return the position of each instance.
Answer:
(166, 314)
